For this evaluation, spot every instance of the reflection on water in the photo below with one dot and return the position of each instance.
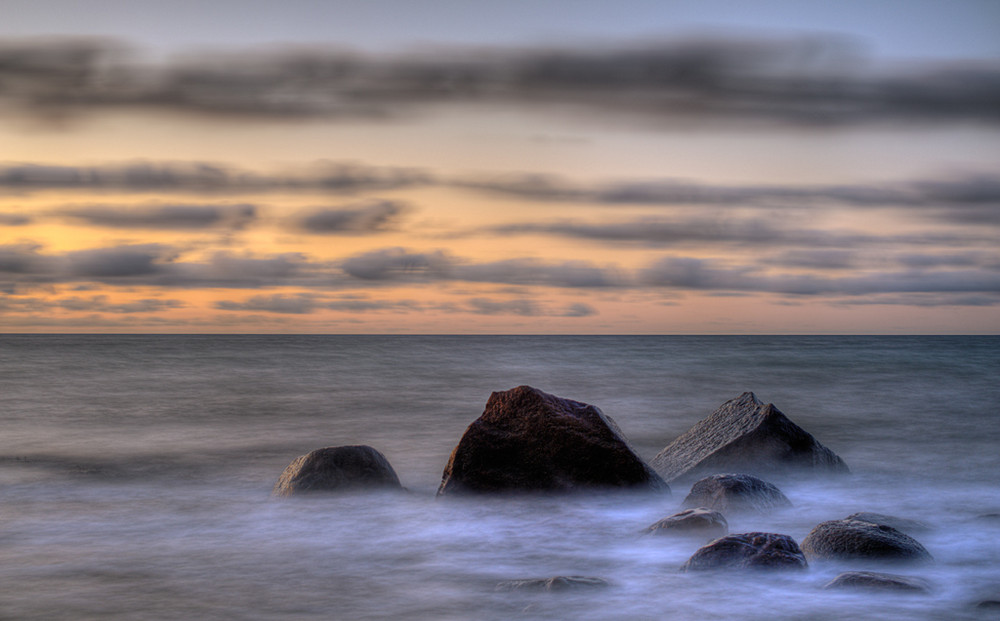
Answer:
(135, 476)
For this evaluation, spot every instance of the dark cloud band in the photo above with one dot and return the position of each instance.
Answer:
(817, 81)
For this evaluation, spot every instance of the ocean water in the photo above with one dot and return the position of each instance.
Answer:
(136, 471)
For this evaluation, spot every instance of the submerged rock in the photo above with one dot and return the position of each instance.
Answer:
(878, 581)
(903, 524)
(556, 583)
(745, 435)
(748, 551)
(698, 522)
(857, 540)
(736, 493)
(528, 440)
(337, 468)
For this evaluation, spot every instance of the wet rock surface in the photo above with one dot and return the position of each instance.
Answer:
(528, 440)
(899, 523)
(770, 551)
(337, 468)
(736, 493)
(878, 581)
(745, 435)
(697, 522)
(858, 540)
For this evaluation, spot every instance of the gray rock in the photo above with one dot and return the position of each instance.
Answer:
(904, 524)
(748, 551)
(857, 540)
(337, 468)
(527, 440)
(697, 522)
(556, 583)
(735, 493)
(878, 581)
(745, 435)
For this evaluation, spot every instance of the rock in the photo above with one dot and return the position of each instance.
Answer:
(528, 440)
(736, 493)
(904, 524)
(748, 551)
(337, 468)
(556, 583)
(744, 435)
(699, 522)
(878, 581)
(854, 540)
(988, 604)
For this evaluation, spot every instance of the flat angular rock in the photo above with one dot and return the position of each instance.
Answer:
(748, 551)
(337, 468)
(745, 435)
(527, 441)
(556, 583)
(736, 493)
(697, 522)
(856, 540)
(874, 580)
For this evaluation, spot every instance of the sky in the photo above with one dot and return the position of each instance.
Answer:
(553, 167)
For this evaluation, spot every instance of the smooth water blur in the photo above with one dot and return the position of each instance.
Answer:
(136, 470)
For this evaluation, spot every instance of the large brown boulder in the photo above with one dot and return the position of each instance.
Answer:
(858, 540)
(736, 493)
(527, 440)
(748, 551)
(745, 435)
(337, 468)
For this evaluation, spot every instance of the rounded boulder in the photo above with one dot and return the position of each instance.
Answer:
(337, 468)
(859, 540)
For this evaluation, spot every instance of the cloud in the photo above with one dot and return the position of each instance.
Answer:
(119, 262)
(706, 275)
(399, 264)
(809, 81)
(14, 219)
(305, 303)
(162, 217)
(747, 231)
(524, 307)
(100, 304)
(364, 218)
(208, 178)
(971, 193)
(286, 304)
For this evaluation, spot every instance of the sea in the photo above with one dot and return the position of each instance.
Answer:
(136, 475)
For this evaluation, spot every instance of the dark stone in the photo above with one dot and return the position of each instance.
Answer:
(878, 581)
(744, 435)
(854, 540)
(337, 468)
(699, 522)
(527, 440)
(736, 493)
(989, 604)
(881, 519)
(748, 551)
(556, 583)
